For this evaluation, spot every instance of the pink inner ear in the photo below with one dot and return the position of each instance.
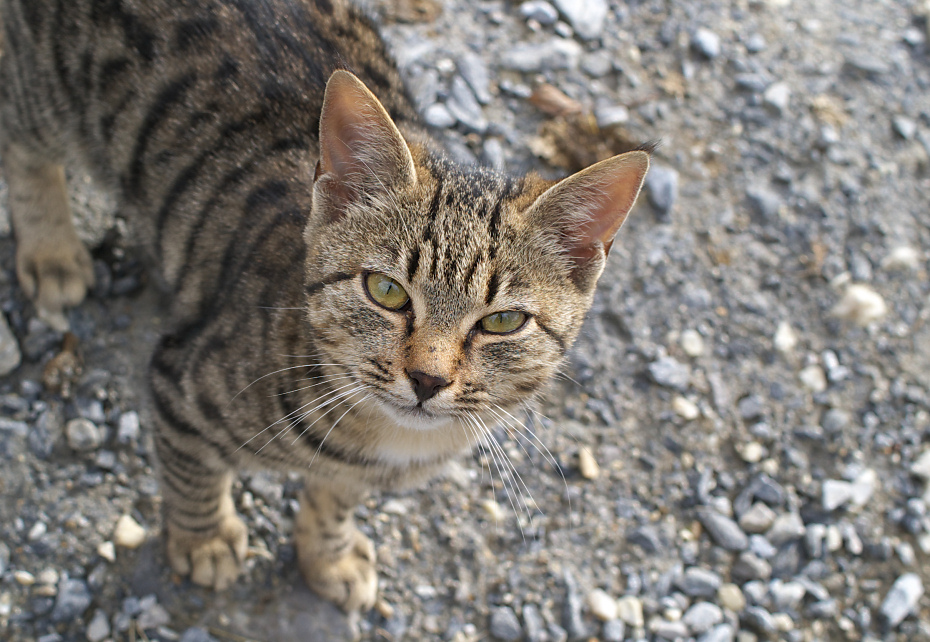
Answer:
(360, 147)
(606, 192)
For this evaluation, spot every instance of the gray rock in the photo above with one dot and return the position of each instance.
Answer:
(786, 528)
(751, 567)
(265, 486)
(540, 11)
(196, 634)
(612, 115)
(867, 64)
(765, 202)
(902, 599)
(761, 547)
(10, 355)
(99, 627)
(464, 106)
(667, 630)
(533, 624)
(83, 435)
(760, 620)
(475, 72)
(597, 64)
(585, 16)
(45, 433)
(436, 115)
(777, 96)
(128, 430)
(492, 153)
(755, 43)
(556, 54)
(72, 600)
(902, 125)
(723, 530)
(504, 624)
(662, 190)
(755, 83)
(706, 42)
(4, 558)
(702, 616)
(646, 537)
(834, 420)
(720, 633)
(699, 582)
(671, 373)
(571, 614)
(824, 609)
(757, 519)
(786, 595)
(613, 631)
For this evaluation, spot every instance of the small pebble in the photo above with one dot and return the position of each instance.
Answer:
(901, 258)
(540, 11)
(670, 373)
(692, 343)
(706, 43)
(758, 519)
(493, 510)
(587, 465)
(699, 582)
(662, 190)
(602, 605)
(752, 452)
(83, 435)
(24, 578)
(731, 597)
(128, 533)
(813, 378)
(99, 627)
(630, 610)
(107, 550)
(785, 339)
(723, 530)
(861, 305)
(902, 599)
(702, 616)
(10, 354)
(685, 408)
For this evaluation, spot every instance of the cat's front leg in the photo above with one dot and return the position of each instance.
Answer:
(53, 266)
(336, 560)
(205, 538)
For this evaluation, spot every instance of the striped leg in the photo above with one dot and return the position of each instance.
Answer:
(206, 539)
(337, 561)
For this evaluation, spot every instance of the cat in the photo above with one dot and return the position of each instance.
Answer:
(345, 301)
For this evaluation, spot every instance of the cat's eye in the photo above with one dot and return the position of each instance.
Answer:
(503, 322)
(385, 291)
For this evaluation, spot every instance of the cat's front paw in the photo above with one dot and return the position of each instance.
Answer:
(55, 271)
(349, 580)
(214, 561)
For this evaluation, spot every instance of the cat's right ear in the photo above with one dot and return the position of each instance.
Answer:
(362, 153)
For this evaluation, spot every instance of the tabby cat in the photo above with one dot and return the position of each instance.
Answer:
(308, 231)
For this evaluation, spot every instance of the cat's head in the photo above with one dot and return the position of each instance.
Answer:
(449, 290)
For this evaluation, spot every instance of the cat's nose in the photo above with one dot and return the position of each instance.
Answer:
(426, 386)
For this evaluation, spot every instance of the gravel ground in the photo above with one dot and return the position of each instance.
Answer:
(739, 448)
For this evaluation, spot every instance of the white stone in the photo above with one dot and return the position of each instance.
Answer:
(835, 493)
(902, 258)
(861, 305)
(37, 531)
(630, 610)
(752, 452)
(731, 597)
(785, 338)
(587, 465)
(692, 343)
(107, 550)
(902, 599)
(128, 533)
(777, 96)
(493, 510)
(813, 378)
(685, 408)
(864, 486)
(602, 605)
(47, 576)
(585, 16)
(99, 628)
(24, 578)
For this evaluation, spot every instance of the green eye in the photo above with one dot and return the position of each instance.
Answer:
(503, 322)
(385, 291)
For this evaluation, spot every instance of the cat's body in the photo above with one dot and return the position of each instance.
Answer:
(282, 250)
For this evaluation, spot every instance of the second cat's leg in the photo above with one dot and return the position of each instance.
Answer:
(337, 561)
(52, 264)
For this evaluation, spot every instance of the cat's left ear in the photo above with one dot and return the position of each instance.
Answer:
(362, 153)
(587, 209)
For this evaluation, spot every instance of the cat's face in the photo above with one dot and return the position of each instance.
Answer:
(444, 291)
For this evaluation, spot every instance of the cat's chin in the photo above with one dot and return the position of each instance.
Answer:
(413, 417)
